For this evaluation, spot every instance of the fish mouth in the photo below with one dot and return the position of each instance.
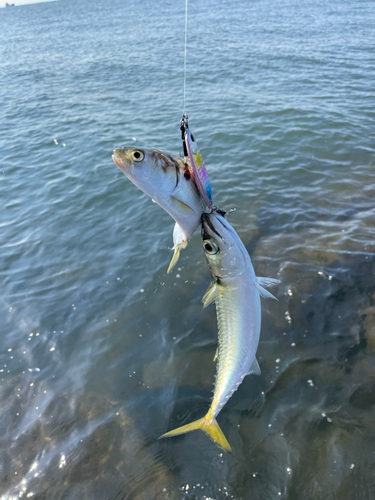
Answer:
(122, 161)
(208, 227)
(205, 236)
(118, 161)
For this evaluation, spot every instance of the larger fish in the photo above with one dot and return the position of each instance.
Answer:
(236, 292)
(166, 179)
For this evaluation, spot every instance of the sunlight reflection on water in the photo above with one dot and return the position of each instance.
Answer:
(102, 351)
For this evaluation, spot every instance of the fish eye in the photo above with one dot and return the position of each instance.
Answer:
(210, 247)
(137, 155)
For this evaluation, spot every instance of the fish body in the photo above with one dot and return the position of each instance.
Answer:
(167, 180)
(236, 291)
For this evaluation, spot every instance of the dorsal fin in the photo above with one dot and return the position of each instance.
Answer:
(262, 282)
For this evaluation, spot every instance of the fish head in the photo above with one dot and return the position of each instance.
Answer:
(225, 253)
(148, 168)
(166, 179)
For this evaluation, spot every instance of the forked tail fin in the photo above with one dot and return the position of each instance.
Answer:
(176, 254)
(209, 426)
(175, 258)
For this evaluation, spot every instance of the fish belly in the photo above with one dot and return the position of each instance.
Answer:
(239, 318)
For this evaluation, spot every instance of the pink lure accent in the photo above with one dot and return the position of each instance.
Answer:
(198, 169)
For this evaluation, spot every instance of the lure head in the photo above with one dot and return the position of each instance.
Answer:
(225, 253)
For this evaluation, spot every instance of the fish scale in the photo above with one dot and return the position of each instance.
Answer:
(236, 328)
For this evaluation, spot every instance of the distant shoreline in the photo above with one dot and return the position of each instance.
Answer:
(27, 2)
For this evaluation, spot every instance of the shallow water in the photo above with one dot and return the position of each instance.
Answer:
(102, 351)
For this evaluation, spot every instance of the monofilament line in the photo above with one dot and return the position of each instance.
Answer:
(186, 6)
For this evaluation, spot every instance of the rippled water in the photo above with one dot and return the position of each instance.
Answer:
(101, 351)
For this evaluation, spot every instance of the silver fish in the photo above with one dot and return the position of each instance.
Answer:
(236, 292)
(166, 179)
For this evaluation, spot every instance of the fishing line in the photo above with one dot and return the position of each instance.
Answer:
(186, 6)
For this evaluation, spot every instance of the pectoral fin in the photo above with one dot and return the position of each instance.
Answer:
(182, 205)
(254, 368)
(213, 292)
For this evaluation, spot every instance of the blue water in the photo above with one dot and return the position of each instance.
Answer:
(101, 351)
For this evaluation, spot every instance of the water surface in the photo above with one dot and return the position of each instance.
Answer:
(101, 350)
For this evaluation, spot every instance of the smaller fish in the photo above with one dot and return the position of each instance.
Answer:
(236, 292)
(167, 180)
(198, 169)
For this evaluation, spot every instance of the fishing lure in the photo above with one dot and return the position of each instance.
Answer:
(197, 168)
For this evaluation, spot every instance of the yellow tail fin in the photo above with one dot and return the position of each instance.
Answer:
(176, 254)
(174, 260)
(209, 426)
